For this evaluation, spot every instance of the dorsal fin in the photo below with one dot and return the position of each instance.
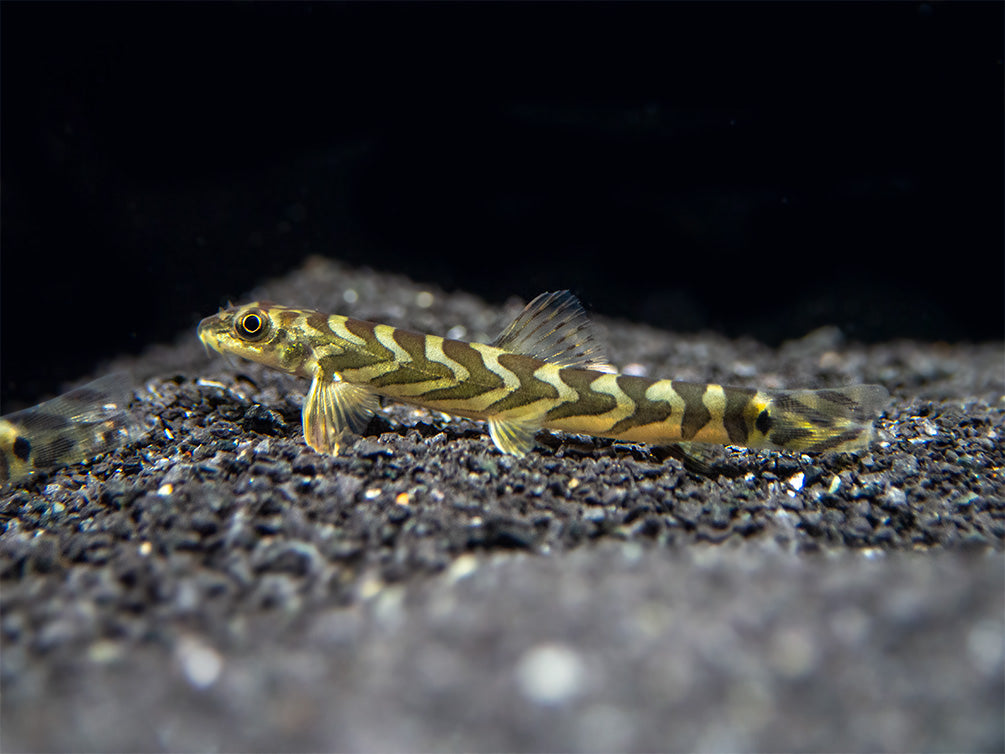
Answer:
(554, 328)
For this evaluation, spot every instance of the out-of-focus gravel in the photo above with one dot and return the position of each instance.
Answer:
(220, 586)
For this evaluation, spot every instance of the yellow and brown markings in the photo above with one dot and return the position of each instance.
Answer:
(68, 429)
(588, 402)
(532, 389)
(544, 371)
(647, 411)
(738, 419)
(470, 377)
(696, 413)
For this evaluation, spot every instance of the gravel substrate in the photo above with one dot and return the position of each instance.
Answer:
(220, 586)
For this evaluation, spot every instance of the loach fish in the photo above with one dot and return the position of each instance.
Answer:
(544, 371)
(70, 428)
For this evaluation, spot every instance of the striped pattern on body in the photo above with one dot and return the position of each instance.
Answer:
(480, 381)
(511, 389)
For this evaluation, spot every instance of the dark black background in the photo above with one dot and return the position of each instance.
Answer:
(753, 169)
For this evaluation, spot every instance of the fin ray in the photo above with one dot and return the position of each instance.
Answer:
(555, 328)
(68, 429)
(513, 437)
(334, 409)
(830, 420)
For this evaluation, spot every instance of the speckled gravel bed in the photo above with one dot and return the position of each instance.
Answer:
(219, 585)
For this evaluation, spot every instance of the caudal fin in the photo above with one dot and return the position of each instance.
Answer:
(67, 429)
(822, 421)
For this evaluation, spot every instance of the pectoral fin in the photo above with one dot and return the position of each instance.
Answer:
(333, 409)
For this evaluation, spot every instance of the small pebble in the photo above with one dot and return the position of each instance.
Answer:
(550, 674)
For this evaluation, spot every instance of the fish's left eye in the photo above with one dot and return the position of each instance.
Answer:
(252, 325)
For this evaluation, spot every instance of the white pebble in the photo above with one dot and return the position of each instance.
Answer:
(744, 369)
(200, 663)
(550, 673)
(984, 645)
(462, 567)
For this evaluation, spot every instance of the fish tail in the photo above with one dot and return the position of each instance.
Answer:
(817, 421)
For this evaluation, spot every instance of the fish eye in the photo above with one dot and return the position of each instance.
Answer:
(252, 325)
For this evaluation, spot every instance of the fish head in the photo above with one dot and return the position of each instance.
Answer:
(262, 332)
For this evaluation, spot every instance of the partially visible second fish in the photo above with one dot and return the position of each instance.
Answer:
(68, 429)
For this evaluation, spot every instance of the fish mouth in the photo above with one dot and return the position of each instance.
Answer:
(207, 346)
(207, 336)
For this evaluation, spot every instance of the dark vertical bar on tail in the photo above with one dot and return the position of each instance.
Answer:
(734, 417)
(696, 413)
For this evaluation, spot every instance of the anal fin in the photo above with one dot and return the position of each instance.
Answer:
(698, 458)
(333, 409)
